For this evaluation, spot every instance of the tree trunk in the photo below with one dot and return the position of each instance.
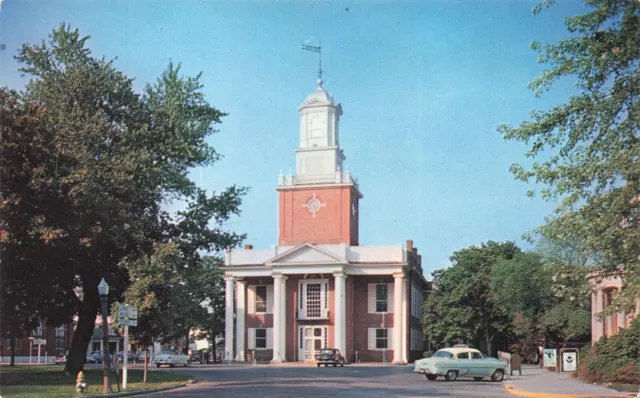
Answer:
(144, 373)
(487, 338)
(83, 333)
(186, 342)
(12, 361)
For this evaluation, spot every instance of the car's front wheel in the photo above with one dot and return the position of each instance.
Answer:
(498, 375)
(431, 377)
(451, 375)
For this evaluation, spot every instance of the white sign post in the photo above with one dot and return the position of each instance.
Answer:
(127, 316)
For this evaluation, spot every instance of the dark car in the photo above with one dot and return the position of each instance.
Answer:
(330, 356)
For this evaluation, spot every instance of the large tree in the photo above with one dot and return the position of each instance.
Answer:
(120, 157)
(588, 149)
(463, 305)
(545, 300)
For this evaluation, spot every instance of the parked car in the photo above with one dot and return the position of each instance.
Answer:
(330, 356)
(61, 358)
(198, 356)
(90, 359)
(97, 356)
(455, 362)
(139, 355)
(170, 358)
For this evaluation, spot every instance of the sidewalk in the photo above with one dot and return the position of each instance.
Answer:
(538, 383)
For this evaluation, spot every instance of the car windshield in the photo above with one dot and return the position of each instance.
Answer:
(166, 352)
(326, 351)
(443, 354)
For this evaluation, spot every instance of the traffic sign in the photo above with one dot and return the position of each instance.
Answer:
(127, 312)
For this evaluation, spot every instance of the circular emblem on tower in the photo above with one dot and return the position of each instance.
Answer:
(314, 205)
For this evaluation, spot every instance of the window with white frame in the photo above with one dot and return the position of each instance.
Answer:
(314, 299)
(60, 337)
(380, 297)
(416, 302)
(416, 340)
(260, 338)
(261, 299)
(379, 339)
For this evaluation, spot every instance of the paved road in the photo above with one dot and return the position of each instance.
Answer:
(350, 381)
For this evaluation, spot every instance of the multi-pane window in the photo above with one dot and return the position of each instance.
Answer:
(381, 297)
(60, 337)
(381, 339)
(314, 300)
(261, 338)
(261, 299)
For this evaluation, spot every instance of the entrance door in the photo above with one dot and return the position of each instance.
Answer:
(311, 340)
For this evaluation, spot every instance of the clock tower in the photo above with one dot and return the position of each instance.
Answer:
(319, 204)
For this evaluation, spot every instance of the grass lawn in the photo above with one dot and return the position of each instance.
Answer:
(625, 387)
(51, 381)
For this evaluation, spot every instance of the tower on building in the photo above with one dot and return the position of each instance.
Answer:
(319, 203)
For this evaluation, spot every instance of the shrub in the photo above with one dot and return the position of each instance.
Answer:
(615, 359)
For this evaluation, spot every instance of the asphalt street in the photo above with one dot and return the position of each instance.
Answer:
(350, 381)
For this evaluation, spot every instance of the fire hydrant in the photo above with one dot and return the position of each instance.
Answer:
(81, 385)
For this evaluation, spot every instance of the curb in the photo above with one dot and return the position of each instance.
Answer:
(514, 391)
(140, 392)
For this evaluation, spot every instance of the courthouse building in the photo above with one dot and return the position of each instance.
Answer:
(318, 287)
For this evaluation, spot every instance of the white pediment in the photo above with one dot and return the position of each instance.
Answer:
(307, 254)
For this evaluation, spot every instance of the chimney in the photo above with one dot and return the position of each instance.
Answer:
(248, 247)
(409, 245)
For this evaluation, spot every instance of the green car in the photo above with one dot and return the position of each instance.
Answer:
(460, 362)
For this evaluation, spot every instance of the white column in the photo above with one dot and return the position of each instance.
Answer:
(599, 309)
(228, 319)
(283, 319)
(404, 320)
(340, 316)
(240, 311)
(398, 288)
(277, 318)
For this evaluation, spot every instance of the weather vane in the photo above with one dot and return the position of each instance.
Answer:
(318, 50)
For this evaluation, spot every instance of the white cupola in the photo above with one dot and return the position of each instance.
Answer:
(319, 153)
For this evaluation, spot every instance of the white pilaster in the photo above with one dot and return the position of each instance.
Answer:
(599, 308)
(622, 319)
(283, 320)
(340, 318)
(240, 314)
(228, 319)
(277, 318)
(398, 288)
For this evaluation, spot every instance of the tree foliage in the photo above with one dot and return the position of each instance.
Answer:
(112, 159)
(588, 149)
(463, 306)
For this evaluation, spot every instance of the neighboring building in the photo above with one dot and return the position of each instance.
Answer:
(116, 342)
(605, 288)
(318, 288)
(57, 340)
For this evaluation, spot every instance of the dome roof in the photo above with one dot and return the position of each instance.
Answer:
(319, 94)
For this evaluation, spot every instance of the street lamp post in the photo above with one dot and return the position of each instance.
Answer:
(103, 289)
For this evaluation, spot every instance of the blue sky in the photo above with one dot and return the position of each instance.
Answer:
(423, 85)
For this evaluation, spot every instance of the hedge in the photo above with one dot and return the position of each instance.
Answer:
(615, 359)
